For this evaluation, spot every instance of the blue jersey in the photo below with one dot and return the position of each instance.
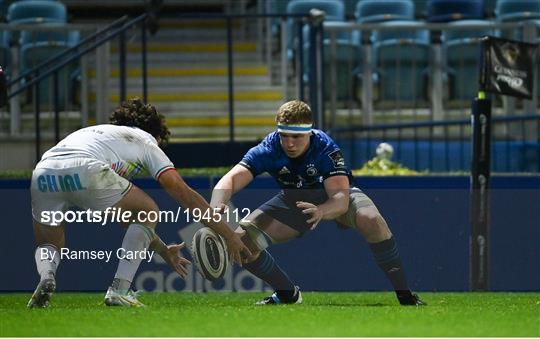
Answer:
(322, 160)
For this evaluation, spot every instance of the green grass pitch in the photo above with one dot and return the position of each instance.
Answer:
(233, 314)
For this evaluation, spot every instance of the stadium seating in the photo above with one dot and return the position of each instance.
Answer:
(276, 7)
(398, 54)
(402, 59)
(41, 12)
(350, 7)
(3, 9)
(420, 8)
(347, 58)
(462, 50)
(369, 11)
(37, 46)
(461, 47)
(376, 11)
(36, 11)
(489, 8)
(520, 10)
(334, 10)
(347, 52)
(373, 11)
(5, 54)
(450, 10)
(517, 10)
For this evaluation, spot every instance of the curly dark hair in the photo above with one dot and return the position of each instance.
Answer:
(136, 113)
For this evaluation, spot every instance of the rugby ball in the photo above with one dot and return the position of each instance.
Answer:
(209, 254)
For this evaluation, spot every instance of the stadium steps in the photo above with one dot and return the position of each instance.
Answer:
(188, 80)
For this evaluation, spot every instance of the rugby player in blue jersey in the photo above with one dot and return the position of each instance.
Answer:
(317, 185)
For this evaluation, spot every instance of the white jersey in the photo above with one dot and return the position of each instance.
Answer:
(127, 150)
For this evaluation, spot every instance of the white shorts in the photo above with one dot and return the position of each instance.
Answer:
(59, 183)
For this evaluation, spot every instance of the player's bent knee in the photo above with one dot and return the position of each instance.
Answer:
(372, 225)
(255, 239)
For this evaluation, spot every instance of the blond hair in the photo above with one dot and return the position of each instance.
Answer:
(294, 112)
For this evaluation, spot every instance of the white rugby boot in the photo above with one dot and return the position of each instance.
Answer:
(122, 298)
(42, 294)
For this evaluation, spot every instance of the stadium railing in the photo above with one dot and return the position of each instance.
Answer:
(449, 82)
(363, 102)
(117, 31)
(445, 146)
(365, 99)
(49, 67)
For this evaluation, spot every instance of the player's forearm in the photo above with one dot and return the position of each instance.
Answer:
(222, 192)
(335, 206)
(231, 183)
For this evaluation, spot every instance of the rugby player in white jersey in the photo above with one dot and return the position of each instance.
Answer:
(91, 169)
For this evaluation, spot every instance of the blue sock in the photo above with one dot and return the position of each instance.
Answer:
(265, 268)
(387, 257)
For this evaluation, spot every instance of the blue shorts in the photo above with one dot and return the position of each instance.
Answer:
(282, 207)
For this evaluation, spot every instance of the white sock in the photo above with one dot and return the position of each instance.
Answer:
(47, 261)
(137, 238)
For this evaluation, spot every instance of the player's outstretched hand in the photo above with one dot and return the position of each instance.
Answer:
(236, 247)
(313, 210)
(176, 260)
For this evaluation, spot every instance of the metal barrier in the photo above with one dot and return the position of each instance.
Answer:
(445, 146)
(411, 71)
(331, 64)
(118, 30)
(33, 77)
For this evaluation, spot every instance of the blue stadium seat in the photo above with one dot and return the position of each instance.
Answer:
(37, 46)
(36, 11)
(5, 53)
(3, 9)
(451, 10)
(517, 10)
(373, 11)
(462, 50)
(398, 53)
(350, 8)
(402, 58)
(276, 7)
(334, 9)
(384, 10)
(420, 7)
(453, 34)
(43, 12)
(348, 58)
(32, 54)
(489, 8)
(347, 52)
